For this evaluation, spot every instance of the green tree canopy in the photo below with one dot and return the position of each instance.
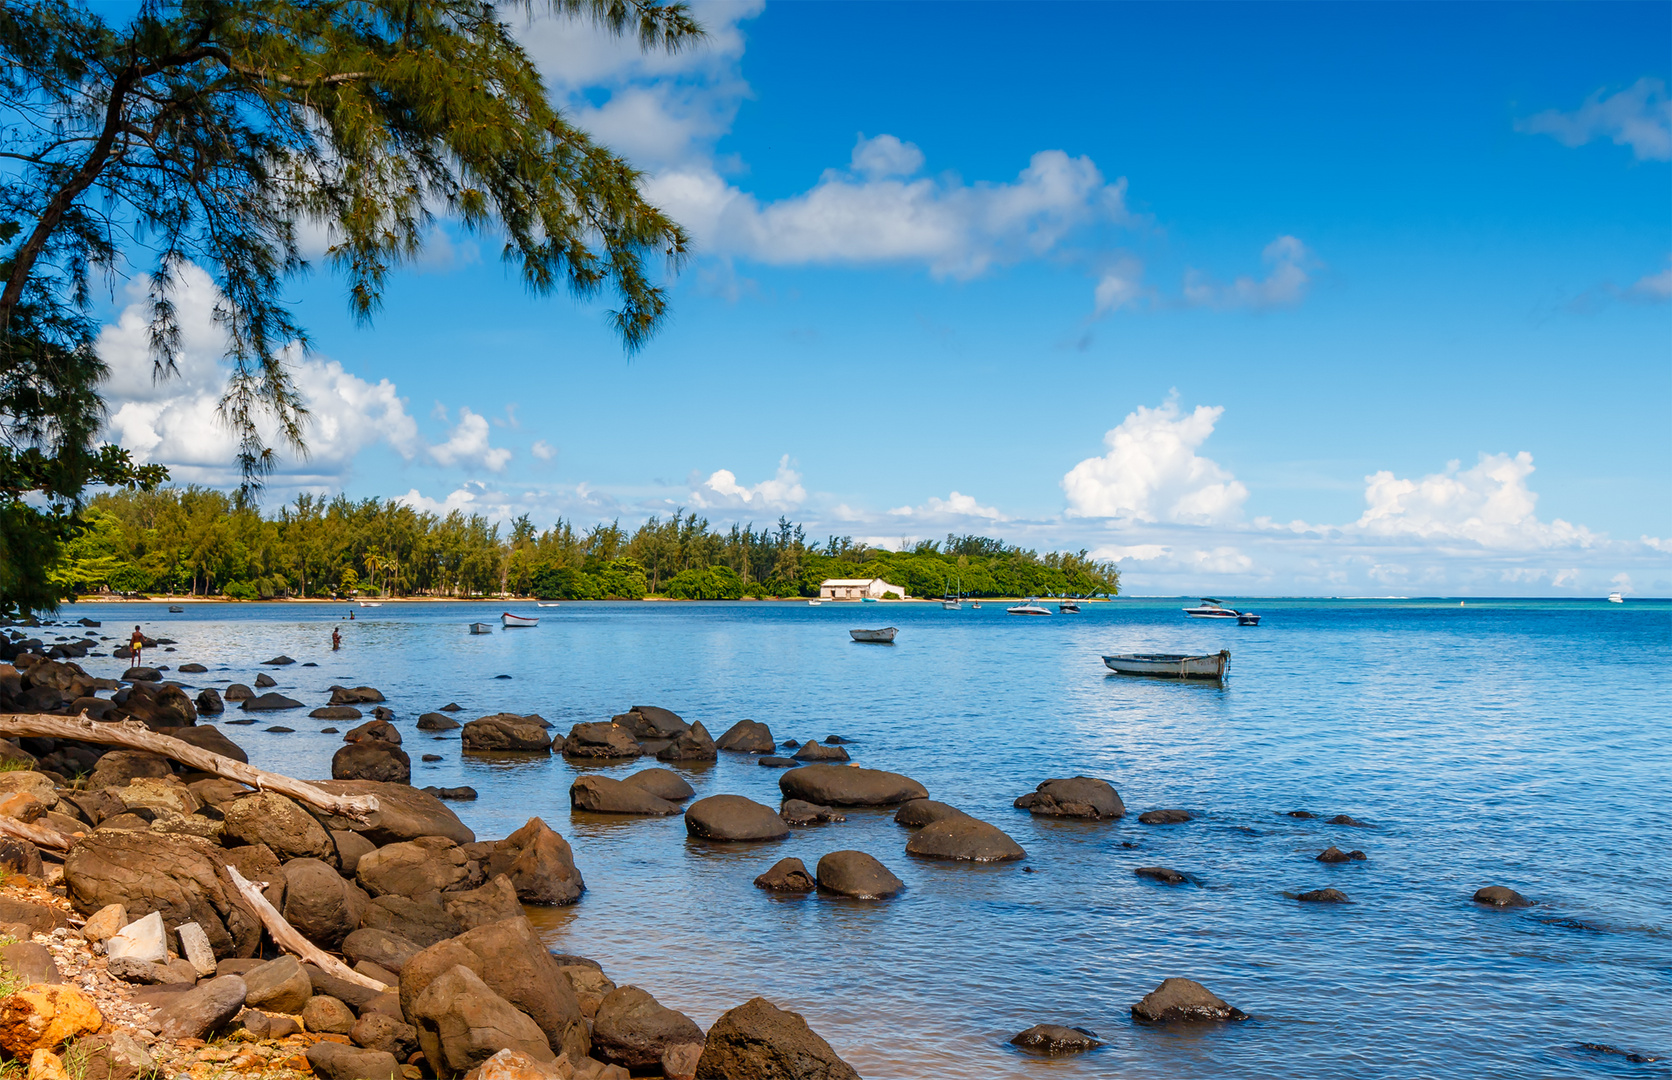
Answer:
(212, 132)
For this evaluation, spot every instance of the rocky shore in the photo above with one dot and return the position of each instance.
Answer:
(171, 911)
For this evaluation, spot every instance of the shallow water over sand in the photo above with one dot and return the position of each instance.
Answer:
(1516, 743)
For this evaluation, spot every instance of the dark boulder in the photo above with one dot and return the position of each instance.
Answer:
(1055, 1041)
(1182, 1000)
(320, 903)
(119, 768)
(461, 1023)
(652, 722)
(379, 1031)
(432, 721)
(266, 817)
(965, 839)
(335, 1061)
(350, 847)
(601, 740)
(747, 737)
(1333, 854)
(384, 948)
(494, 902)
(662, 783)
(856, 874)
(759, 1041)
(336, 712)
(633, 1030)
(773, 761)
(192, 669)
(264, 680)
(452, 706)
(733, 818)
(279, 986)
(1343, 819)
(1165, 817)
(693, 745)
(183, 878)
(1500, 896)
(800, 812)
(539, 863)
(787, 875)
(141, 674)
(239, 692)
(379, 761)
(602, 795)
(921, 812)
(425, 924)
(505, 732)
(463, 793)
(208, 738)
(374, 731)
(420, 869)
(404, 813)
(1165, 875)
(1075, 797)
(270, 702)
(1323, 896)
(157, 706)
(200, 1011)
(1303, 815)
(355, 695)
(813, 751)
(840, 785)
(278, 661)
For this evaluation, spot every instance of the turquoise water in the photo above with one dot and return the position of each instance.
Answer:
(1522, 743)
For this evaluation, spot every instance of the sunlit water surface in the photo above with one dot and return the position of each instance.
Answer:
(1516, 743)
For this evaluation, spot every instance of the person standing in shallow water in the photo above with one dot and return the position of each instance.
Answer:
(336, 639)
(136, 645)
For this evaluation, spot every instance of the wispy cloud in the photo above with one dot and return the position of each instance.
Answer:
(1640, 116)
(783, 491)
(1289, 266)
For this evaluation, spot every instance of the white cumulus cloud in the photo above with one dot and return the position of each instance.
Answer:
(722, 490)
(1640, 116)
(469, 444)
(1489, 504)
(877, 215)
(1153, 473)
(543, 450)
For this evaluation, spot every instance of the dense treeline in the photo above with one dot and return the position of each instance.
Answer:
(203, 542)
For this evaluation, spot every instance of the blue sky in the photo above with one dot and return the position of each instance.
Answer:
(1259, 299)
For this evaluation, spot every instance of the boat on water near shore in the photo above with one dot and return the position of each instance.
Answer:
(1616, 598)
(1029, 606)
(371, 603)
(545, 603)
(508, 619)
(1210, 608)
(814, 603)
(481, 628)
(1171, 665)
(885, 636)
(1070, 606)
(176, 609)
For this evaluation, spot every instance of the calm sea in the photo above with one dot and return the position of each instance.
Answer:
(1523, 743)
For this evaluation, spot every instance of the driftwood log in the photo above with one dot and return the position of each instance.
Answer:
(132, 735)
(286, 936)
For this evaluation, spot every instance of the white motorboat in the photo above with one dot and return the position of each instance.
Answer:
(885, 636)
(481, 628)
(1214, 609)
(508, 619)
(1616, 598)
(814, 603)
(950, 604)
(1029, 606)
(371, 603)
(545, 603)
(1171, 665)
(1070, 606)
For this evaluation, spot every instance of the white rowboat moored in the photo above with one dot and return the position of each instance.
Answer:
(509, 619)
(885, 636)
(1171, 665)
(481, 628)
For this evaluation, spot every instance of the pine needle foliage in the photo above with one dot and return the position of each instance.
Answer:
(221, 133)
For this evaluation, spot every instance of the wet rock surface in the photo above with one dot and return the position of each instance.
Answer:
(787, 875)
(760, 1041)
(1165, 817)
(858, 875)
(1074, 797)
(965, 839)
(1184, 1001)
(1054, 1041)
(731, 818)
(840, 785)
(1500, 896)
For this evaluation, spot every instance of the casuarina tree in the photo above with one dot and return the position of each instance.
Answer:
(221, 133)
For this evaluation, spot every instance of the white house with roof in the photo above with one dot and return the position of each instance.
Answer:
(857, 589)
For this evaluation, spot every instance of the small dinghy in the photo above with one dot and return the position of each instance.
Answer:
(176, 609)
(481, 628)
(546, 603)
(371, 603)
(885, 636)
(1171, 665)
(508, 619)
